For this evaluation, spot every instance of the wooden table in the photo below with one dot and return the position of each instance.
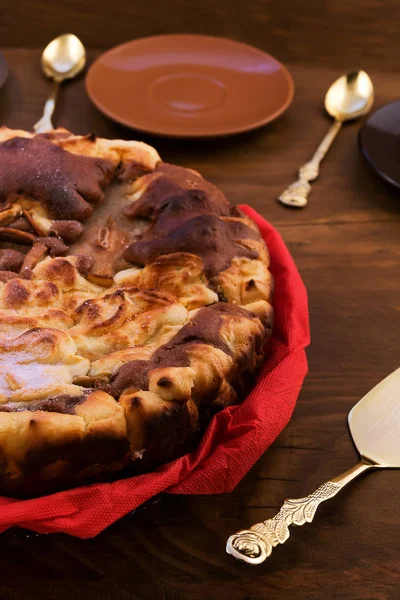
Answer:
(346, 246)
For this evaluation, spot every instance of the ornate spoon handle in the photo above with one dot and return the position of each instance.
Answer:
(254, 545)
(297, 193)
(44, 124)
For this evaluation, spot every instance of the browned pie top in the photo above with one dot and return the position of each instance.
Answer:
(120, 273)
(66, 184)
(203, 328)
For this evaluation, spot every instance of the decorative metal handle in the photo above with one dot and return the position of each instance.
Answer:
(297, 193)
(254, 545)
(44, 124)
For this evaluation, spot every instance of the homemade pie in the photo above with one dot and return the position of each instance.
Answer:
(134, 304)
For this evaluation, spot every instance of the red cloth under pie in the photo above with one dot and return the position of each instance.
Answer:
(232, 443)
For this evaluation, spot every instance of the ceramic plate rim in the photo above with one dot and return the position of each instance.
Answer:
(4, 63)
(364, 152)
(173, 134)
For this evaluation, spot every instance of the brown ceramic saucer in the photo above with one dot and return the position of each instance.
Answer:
(189, 85)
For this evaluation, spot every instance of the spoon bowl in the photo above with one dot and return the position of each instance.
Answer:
(350, 96)
(64, 57)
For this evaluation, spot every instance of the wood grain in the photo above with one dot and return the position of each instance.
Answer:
(320, 32)
(346, 245)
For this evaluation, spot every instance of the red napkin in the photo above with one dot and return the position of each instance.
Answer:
(232, 443)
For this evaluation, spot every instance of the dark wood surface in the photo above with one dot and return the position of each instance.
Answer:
(346, 245)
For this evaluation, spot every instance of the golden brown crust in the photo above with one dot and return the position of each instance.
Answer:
(135, 302)
(41, 451)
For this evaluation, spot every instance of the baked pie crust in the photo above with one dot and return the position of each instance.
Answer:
(134, 304)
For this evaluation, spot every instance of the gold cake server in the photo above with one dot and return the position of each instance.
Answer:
(375, 427)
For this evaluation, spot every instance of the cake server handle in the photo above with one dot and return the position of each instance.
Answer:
(254, 545)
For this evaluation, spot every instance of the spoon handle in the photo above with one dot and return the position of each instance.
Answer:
(44, 124)
(254, 545)
(297, 193)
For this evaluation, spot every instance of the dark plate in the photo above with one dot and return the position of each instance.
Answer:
(3, 70)
(380, 142)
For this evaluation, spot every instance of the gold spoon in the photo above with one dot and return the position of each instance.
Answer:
(349, 97)
(62, 59)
